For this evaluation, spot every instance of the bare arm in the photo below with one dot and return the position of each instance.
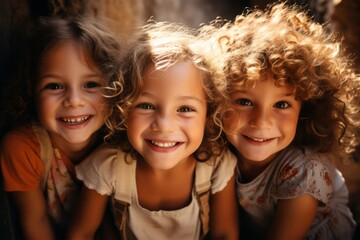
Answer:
(107, 229)
(224, 214)
(293, 218)
(88, 215)
(33, 216)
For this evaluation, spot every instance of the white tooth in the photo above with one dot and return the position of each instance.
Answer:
(259, 139)
(75, 120)
(164, 145)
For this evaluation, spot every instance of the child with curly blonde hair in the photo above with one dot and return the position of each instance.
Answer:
(164, 167)
(291, 112)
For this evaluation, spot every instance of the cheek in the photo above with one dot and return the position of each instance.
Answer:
(294, 126)
(131, 134)
(43, 105)
(193, 128)
(136, 123)
(104, 106)
(231, 120)
(98, 99)
(289, 127)
(133, 128)
(199, 127)
(45, 110)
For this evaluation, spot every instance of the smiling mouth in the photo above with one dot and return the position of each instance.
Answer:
(75, 120)
(163, 144)
(258, 139)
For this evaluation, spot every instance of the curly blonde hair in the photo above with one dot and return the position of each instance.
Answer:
(285, 42)
(164, 44)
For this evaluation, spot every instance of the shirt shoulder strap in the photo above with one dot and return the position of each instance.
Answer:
(203, 173)
(46, 150)
(121, 201)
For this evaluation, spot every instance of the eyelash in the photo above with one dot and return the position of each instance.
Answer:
(57, 86)
(244, 102)
(148, 106)
(287, 105)
(145, 106)
(247, 102)
(93, 83)
(53, 86)
(186, 109)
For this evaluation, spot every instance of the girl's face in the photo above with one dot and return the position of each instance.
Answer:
(262, 121)
(68, 96)
(166, 124)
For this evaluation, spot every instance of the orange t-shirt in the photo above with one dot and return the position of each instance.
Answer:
(21, 165)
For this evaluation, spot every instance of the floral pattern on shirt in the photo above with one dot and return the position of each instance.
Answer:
(292, 173)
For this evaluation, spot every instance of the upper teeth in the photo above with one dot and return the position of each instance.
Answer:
(75, 120)
(259, 139)
(163, 144)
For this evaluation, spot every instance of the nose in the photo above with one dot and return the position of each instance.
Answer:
(73, 98)
(261, 118)
(163, 122)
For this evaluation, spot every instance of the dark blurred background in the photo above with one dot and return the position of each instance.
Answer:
(342, 16)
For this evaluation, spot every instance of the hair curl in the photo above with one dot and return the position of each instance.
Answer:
(285, 42)
(163, 44)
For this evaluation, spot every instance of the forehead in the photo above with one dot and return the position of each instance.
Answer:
(265, 88)
(67, 48)
(241, 84)
(179, 73)
(66, 54)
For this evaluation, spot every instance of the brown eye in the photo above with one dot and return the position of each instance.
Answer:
(53, 86)
(145, 106)
(282, 105)
(92, 85)
(244, 102)
(186, 109)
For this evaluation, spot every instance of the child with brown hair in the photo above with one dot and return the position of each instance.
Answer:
(57, 111)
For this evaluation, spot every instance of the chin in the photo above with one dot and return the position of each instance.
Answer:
(256, 157)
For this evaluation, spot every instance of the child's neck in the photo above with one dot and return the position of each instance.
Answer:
(250, 169)
(165, 189)
(76, 152)
(144, 167)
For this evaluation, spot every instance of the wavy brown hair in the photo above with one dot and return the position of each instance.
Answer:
(102, 49)
(164, 44)
(285, 42)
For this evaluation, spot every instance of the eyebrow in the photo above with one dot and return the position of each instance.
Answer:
(147, 94)
(288, 94)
